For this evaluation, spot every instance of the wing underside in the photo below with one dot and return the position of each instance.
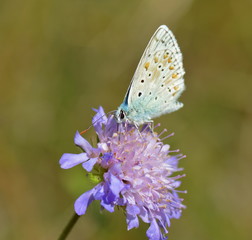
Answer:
(158, 80)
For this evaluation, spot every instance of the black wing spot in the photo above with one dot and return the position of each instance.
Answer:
(139, 94)
(155, 98)
(159, 66)
(149, 93)
(149, 74)
(162, 85)
(169, 89)
(142, 81)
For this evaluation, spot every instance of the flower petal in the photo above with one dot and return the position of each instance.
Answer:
(69, 160)
(108, 206)
(104, 194)
(144, 215)
(132, 221)
(100, 192)
(103, 147)
(172, 161)
(88, 165)
(83, 201)
(111, 126)
(132, 210)
(116, 185)
(83, 143)
(153, 232)
(106, 158)
(99, 119)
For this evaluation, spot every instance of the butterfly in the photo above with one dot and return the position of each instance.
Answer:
(157, 83)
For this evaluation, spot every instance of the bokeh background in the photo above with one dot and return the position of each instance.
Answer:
(59, 59)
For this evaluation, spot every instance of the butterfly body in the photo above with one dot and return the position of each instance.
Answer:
(157, 82)
(135, 115)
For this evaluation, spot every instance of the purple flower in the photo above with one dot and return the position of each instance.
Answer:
(135, 172)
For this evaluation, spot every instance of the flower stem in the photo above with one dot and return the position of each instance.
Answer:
(68, 227)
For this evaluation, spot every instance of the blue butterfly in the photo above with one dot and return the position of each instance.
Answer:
(157, 83)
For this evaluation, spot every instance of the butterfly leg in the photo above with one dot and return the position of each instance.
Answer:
(149, 125)
(120, 127)
(137, 128)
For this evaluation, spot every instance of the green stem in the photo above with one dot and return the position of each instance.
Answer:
(68, 227)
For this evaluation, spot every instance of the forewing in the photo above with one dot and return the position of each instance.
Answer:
(158, 80)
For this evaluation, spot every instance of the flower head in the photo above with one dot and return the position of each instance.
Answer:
(135, 169)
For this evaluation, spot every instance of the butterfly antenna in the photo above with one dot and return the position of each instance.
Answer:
(84, 131)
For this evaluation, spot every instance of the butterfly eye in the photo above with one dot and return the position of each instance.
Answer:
(122, 115)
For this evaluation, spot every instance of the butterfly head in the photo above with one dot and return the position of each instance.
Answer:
(120, 115)
(123, 113)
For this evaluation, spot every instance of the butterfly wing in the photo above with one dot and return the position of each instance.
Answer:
(158, 80)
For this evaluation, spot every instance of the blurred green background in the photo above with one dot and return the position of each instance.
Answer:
(58, 59)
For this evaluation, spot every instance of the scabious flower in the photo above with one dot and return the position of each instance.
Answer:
(136, 173)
